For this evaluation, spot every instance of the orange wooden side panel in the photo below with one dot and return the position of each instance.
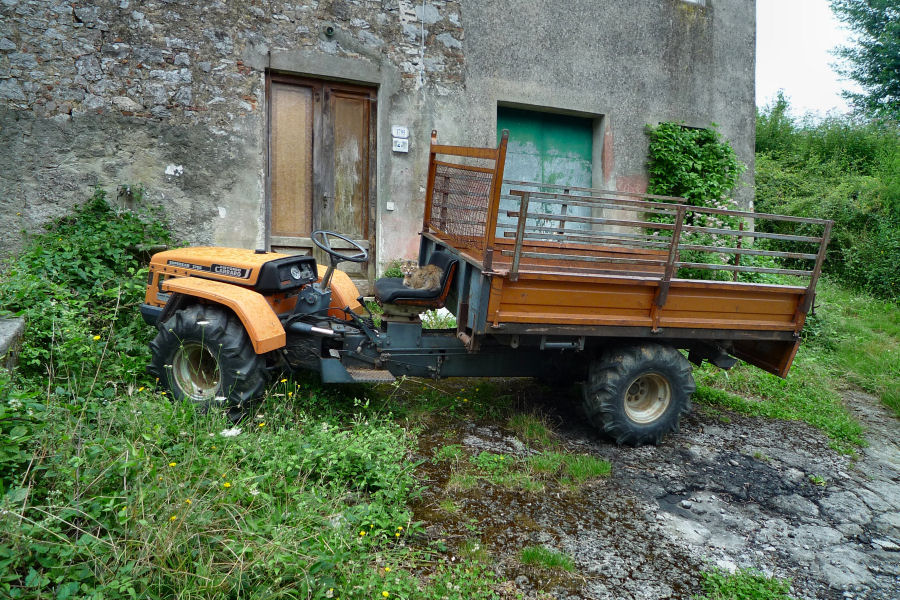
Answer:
(622, 302)
(255, 313)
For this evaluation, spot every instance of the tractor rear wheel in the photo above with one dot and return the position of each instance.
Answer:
(203, 354)
(636, 394)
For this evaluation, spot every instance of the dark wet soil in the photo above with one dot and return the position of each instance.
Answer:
(727, 491)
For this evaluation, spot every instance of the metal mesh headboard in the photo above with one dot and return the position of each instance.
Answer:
(462, 199)
(460, 202)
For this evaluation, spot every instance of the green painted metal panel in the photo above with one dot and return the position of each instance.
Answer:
(547, 147)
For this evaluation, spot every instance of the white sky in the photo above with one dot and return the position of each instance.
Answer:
(793, 40)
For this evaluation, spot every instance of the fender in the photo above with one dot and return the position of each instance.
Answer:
(343, 293)
(259, 320)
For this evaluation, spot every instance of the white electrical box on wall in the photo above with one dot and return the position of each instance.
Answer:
(399, 131)
(400, 145)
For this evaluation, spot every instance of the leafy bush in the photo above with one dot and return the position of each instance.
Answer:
(78, 286)
(21, 414)
(696, 164)
(840, 169)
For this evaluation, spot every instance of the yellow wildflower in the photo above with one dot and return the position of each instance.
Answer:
(173, 518)
(141, 389)
(188, 501)
(171, 464)
(96, 337)
(227, 484)
(362, 533)
(385, 594)
(262, 425)
(283, 380)
(387, 569)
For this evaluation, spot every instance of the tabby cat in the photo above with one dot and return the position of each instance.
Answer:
(421, 278)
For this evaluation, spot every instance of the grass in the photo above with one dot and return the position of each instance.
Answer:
(108, 489)
(859, 336)
(140, 493)
(569, 468)
(853, 339)
(744, 584)
(546, 558)
(530, 429)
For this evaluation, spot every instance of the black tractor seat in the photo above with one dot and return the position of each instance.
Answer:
(390, 290)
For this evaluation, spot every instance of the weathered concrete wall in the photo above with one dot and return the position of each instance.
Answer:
(638, 63)
(171, 93)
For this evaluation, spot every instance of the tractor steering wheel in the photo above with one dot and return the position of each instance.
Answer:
(321, 239)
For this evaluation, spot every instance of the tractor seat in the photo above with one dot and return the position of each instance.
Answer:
(390, 290)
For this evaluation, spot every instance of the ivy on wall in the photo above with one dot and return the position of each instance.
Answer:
(695, 164)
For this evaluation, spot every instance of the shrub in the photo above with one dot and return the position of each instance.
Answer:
(840, 169)
(696, 164)
(78, 286)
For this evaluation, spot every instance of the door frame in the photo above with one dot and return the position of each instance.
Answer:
(322, 89)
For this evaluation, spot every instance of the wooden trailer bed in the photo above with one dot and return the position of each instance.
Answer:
(574, 263)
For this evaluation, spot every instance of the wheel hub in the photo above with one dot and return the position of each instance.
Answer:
(647, 398)
(196, 371)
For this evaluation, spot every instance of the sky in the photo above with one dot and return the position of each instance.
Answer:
(793, 43)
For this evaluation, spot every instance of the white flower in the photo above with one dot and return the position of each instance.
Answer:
(233, 432)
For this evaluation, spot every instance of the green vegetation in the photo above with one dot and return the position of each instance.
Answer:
(546, 558)
(531, 429)
(107, 489)
(569, 468)
(744, 584)
(857, 337)
(873, 61)
(848, 171)
(701, 167)
(695, 164)
(839, 169)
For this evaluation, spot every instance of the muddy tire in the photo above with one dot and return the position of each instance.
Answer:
(203, 354)
(636, 394)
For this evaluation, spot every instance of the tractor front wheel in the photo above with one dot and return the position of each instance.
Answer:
(203, 354)
(636, 394)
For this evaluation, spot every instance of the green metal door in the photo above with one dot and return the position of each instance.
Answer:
(546, 148)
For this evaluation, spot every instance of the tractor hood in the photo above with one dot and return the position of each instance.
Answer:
(262, 271)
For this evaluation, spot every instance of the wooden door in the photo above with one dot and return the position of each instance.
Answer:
(321, 167)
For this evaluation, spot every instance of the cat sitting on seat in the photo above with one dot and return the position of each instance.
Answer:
(421, 278)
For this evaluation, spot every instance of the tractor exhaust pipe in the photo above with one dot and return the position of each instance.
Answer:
(307, 329)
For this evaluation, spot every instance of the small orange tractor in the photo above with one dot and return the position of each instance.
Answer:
(548, 282)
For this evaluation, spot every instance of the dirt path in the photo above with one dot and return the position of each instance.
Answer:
(733, 492)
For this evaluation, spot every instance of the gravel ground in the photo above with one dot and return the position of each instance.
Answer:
(724, 492)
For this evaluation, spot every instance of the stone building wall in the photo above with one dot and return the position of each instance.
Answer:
(170, 94)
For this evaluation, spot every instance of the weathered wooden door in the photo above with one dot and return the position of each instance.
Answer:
(321, 166)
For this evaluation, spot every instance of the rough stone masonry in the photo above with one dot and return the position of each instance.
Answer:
(157, 93)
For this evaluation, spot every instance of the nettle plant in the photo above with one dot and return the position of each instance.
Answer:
(699, 166)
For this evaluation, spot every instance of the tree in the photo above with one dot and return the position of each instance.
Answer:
(874, 62)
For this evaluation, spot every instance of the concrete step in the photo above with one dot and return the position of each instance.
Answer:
(11, 331)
